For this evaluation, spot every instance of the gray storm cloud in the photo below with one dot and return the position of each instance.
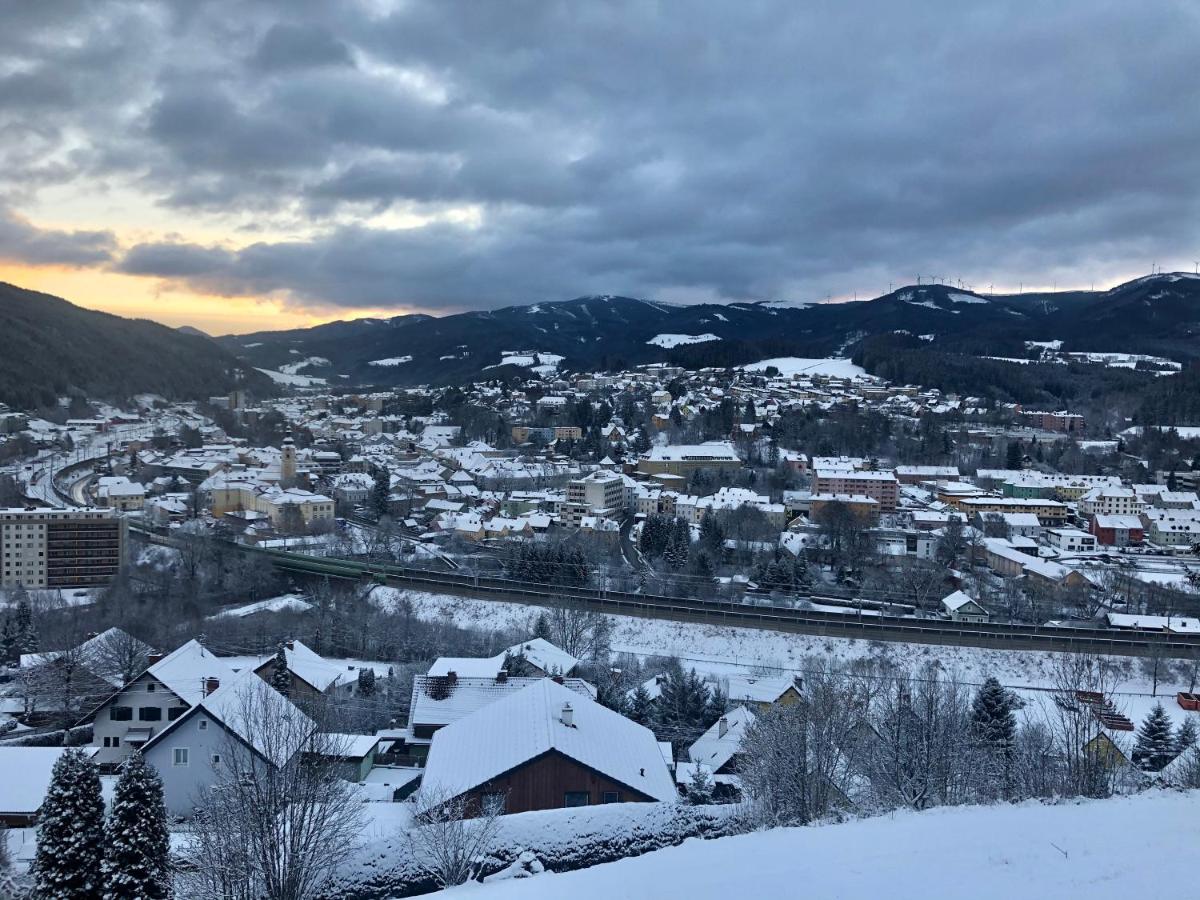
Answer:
(685, 150)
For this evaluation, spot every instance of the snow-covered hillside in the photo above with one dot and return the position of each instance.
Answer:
(1143, 846)
(667, 341)
(794, 365)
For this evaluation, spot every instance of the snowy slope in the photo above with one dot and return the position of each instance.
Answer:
(793, 365)
(667, 341)
(1114, 849)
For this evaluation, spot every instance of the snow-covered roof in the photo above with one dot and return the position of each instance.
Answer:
(958, 600)
(186, 669)
(528, 723)
(26, 777)
(466, 695)
(756, 689)
(715, 749)
(241, 704)
(538, 651)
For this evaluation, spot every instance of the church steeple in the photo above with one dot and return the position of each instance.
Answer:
(287, 461)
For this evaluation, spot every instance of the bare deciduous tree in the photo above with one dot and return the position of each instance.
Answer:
(279, 817)
(453, 834)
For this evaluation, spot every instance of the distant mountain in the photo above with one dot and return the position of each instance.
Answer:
(1157, 314)
(49, 347)
(190, 329)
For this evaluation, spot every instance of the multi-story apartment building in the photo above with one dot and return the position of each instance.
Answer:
(879, 486)
(1111, 501)
(598, 494)
(60, 548)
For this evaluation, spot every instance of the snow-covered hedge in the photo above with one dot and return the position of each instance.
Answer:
(561, 839)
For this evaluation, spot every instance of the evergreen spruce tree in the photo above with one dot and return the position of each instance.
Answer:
(1185, 735)
(640, 707)
(380, 493)
(136, 844)
(8, 642)
(700, 786)
(993, 723)
(1155, 745)
(27, 636)
(366, 682)
(71, 832)
(281, 678)
(541, 627)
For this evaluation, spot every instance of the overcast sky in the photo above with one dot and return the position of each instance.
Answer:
(240, 164)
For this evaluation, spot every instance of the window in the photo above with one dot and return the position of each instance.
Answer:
(215, 759)
(175, 712)
(151, 687)
(116, 742)
(121, 713)
(203, 726)
(611, 797)
(149, 713)
(181, 756)
(577, 798)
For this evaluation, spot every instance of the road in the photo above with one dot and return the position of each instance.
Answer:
(998, 636)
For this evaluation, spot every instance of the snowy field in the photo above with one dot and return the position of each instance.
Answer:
(1117, 849)
(390, 361)
(292, 380)
(795, 365)
(722, 650)
(667, 341)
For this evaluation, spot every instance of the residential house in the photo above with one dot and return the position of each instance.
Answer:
(544, 747)
(189, 751)
(141, 709)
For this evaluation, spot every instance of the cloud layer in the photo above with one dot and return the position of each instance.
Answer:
(446, 155)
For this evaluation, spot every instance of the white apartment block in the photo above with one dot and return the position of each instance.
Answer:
(60, 548)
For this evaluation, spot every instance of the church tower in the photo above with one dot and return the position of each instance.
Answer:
(287, 461)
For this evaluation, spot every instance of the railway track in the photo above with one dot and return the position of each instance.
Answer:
(864, 625)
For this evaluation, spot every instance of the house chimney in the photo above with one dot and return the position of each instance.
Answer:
(798, 682)
(502, 676)
(291, 645)
(210, 685)
(568, 715)
(452, 677)
(722, 727)
(557, 679)
(152, 658)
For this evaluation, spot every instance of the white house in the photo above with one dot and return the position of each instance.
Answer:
(188, 753)
(149, 703)
(963, 608)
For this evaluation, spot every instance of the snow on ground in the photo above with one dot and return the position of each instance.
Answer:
(528, 360)
(794, 365)
(294, 368)
(1045, 345)
(292, 380)
(965, 298)
(391, 361)
(1101, 849)
(721, 649)
(274, 604)
(1186, 432)
(667, 341)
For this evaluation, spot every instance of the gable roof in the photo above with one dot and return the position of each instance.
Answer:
(958, 600)
(527, 724)
(714, 749)
(466, 695)
(756, 689)
(238, 706)
(310, 666)
(185, 670)
(538, 651)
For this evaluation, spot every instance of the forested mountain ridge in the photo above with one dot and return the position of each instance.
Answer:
(1157, 314)
(50, 348)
